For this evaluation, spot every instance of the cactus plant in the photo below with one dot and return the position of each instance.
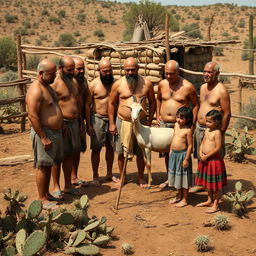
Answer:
(239, 145)
(239, 199)
(34, 209)
(20, 240)
(221, 222)
(9, 251)
(102, 240)
(84, 249)
(202, 243)
(127, 248)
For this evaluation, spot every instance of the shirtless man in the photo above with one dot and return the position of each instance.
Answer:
(46, 120)
(100, 88)
(66, 89)
(85, 100)
(174, 92)
(213, 95)
(123, 91)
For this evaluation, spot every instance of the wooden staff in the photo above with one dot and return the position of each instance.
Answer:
(124, 171)
(167, 45)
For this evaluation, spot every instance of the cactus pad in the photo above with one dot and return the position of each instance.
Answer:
(101, 241)
(34, 243)
(20, 240)
(92, 226)
(64, 218)
(34, 209)
(87, 249)
(84, 201)
(9, 251)
(80, 238)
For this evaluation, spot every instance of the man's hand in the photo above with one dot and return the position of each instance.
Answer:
(89, 130)
(158, 120)
(112, 129)
(47, 143)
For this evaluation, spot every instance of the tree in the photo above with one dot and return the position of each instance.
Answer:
(8, 55)
(193, 30)
(245, 54)
(66, 40)
(153, 13)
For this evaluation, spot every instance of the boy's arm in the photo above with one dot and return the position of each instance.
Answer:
(218, 140)
(189, 143)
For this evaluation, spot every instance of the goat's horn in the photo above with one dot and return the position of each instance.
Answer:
(134, 98)
(142, 98)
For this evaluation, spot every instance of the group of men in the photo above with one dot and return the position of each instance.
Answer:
(59, 104)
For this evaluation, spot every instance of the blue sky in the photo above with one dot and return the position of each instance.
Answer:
(199, 2)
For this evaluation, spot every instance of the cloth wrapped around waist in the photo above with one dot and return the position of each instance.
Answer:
(127, 137)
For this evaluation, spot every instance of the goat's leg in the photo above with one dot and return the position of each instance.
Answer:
(148, 164)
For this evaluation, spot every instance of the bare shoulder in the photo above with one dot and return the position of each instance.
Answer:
(188, 85)
(217, 133)
(116, 84)
(34, 88)
(162, 83)
(222, 88)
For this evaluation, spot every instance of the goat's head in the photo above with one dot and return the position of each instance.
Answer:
(136, 108)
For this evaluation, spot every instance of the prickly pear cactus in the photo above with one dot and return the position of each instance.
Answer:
(102, 241)
(34, 209)
(20, 240)
(9, 251)
(84, 249)
(34, 243)
(64, 218)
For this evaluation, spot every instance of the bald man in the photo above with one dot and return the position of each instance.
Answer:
(123, 91)
(85, 101)
(46, 120)
(213, 95)
(67, 91)
(174, 92)
(100, 88)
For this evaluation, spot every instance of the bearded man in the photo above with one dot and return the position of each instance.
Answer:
(99, 90)
(123, 92)
(67, 92)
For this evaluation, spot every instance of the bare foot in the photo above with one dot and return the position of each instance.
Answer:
(181, 204)
(96, 183)
(143, 183)
(112, 178)
(196, 189)
(164, 184)
(212, 210)
(174, 200)
(204, 204)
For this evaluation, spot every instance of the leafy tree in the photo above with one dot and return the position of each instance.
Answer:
(66, 40)
(8, 55)
(193, 30)
(153, 13)
(174, 24)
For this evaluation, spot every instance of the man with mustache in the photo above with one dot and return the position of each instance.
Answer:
(174, 92)
(123, 91)
(46, 121)
(100, 88)
(67, 91)
(85, 101)
(213, 95)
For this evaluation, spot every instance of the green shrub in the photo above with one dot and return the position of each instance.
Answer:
(81, 17)
(45, 12)
(66, 40)
(32, 62)
(245, 54)
(77, 33)
(38, 42)
(193, 30)
(218, 51)
(101, 19)
(196, 16)
(241, 23)
(99, 33)
(55, 20)
(8, 55)
(174, 24)
(62, 14)
(247, 110)
(21, 32)
(11, 18)
(7, 77)
(43, 37)
(26, 24)
(113, 22)
(106, 5)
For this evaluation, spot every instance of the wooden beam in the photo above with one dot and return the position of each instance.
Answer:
(15, 160)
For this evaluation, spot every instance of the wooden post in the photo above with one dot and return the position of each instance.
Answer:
(240, 95)
(167, 45)
(250, 46)
(21, 87)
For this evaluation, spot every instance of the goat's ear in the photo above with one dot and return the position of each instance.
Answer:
(142, 98)
(134, 98)
(126, 106)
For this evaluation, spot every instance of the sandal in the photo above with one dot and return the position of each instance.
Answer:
(73, 192)
(50, 206)
(56, 196)
(81, 183)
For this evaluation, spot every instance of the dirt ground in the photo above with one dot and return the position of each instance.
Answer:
(145, 218)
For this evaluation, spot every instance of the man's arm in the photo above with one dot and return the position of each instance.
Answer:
(195, 102)
(152, 102)
(225, 107)
(88, 102)
(34, 99)
(112, 100)
(158, 103)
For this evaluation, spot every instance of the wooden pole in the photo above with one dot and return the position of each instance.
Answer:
(209, 28)
(21, 87)
(167, 45)
(240, 95)
(250, 46)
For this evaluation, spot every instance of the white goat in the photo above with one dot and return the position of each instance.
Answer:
(149, 139)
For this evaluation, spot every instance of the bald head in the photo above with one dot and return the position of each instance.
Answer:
(45, 65)
(172, 64)
(106, 74)
(67, 67)
(78, 61)
(211, 73)
(131, 62)
(104, 63)
(214, 65)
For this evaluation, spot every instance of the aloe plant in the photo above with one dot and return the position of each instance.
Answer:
(238, 199)
(239, 145)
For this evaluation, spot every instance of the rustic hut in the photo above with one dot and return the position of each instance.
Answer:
(191, 54)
